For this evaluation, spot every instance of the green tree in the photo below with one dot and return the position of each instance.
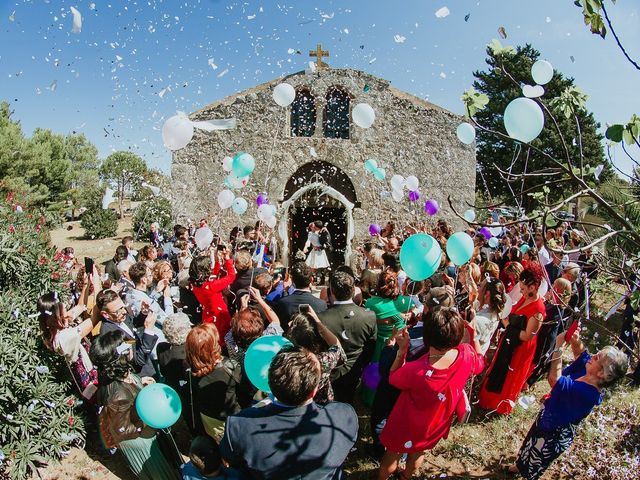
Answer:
(501, 83)
(84, 184)
(124, 171)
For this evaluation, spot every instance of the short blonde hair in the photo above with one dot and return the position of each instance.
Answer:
(375, 257)
(565, 285)
(242, 262)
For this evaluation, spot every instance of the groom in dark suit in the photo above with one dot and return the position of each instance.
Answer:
(116, 316)
(356, 328)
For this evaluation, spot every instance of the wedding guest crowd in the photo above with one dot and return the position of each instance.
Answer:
(409, 350)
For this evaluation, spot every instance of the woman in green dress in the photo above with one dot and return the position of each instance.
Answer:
(392, 310)
(120, 425)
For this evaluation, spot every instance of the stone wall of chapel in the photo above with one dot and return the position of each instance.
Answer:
(408, 137)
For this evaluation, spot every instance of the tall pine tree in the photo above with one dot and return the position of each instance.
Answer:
(494, 151)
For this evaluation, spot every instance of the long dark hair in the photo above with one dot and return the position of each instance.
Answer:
(110, 364)
(51, 317)
(200, 270)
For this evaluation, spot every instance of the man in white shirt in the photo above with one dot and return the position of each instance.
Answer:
(543, 255)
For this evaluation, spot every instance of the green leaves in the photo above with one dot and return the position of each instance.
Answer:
(570, 101)
(592, 18)
(474, 101)
(497, 49)
(630, 132)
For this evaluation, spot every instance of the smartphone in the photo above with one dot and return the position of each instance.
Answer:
(88, 265)
(304, 308)
(572, 329)
(221, 247)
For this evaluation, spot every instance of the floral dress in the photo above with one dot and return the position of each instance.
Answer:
(329, 360)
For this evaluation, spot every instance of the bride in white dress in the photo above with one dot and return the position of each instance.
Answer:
(318, 256)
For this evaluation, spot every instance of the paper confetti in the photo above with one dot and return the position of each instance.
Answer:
(77, 21)
(399, 38)
(442, 12)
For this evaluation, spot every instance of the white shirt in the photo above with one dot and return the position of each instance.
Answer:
(543, 256)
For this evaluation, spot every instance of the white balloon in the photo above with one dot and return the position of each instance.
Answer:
(225, 199)
(466, 133)
(227, 164)
(412, 183)
(494, 242)
(177, 132)
(533, 92)
(284, 94)
(271, 222)
(469, 215)
(543, 288)
(203, 237)
(506, 310)
(542, 72)
(239, 206)
(363, 115)
(397, 195)
(397, 182)
(265, 212)
(495, 229)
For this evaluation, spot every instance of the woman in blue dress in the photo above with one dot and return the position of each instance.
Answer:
(575, 391)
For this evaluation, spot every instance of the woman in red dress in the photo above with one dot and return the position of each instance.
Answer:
(432, 390)
(207, 288)
(513, 362)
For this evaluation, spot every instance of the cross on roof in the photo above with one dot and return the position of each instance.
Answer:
(319, 53)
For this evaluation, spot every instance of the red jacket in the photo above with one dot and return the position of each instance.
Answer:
(214, 306)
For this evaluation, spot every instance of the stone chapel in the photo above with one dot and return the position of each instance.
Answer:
(310, 159)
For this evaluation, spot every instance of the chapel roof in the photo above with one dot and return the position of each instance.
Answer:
(346, 72)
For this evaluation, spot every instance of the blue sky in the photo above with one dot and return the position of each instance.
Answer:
(107, 80)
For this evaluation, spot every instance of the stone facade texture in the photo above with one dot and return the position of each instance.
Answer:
(409, 137)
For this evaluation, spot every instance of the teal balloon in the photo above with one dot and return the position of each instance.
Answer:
(243, 164)
(460, 248)
(258, 359)
(158, 405)
(379, 174)
(239, 206)
(466, 133)
(524, 248)
(523, 119)
(420, 256)
(371, 165)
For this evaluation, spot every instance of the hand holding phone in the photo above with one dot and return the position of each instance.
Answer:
(304, 308)
(88, 265)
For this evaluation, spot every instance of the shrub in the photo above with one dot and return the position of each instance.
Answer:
(156, 209)
(99, 223)
(38, 418)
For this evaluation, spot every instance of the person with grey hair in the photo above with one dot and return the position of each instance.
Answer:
(125, 280)
(571, 272)
(172, 359)
(575, 391)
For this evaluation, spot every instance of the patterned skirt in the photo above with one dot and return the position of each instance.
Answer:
(541, 447)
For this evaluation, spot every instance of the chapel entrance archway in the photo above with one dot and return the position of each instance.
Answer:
(318, 191)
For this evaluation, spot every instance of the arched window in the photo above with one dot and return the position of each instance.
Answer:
(336, 114)
(303, 114)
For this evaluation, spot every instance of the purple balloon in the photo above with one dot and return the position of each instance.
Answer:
(374, 229)
(371, 376)
(261, 199)
(431, 207)
(414, 195)
(485, 232)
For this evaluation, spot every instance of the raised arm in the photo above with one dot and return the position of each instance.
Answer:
(325, 333)
(533, 325)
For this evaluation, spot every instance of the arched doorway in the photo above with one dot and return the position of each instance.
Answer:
(318, 191)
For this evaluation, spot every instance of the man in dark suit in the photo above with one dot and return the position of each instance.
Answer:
(285, 307)
(115, 316)
(293, 437)
(356, 329)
